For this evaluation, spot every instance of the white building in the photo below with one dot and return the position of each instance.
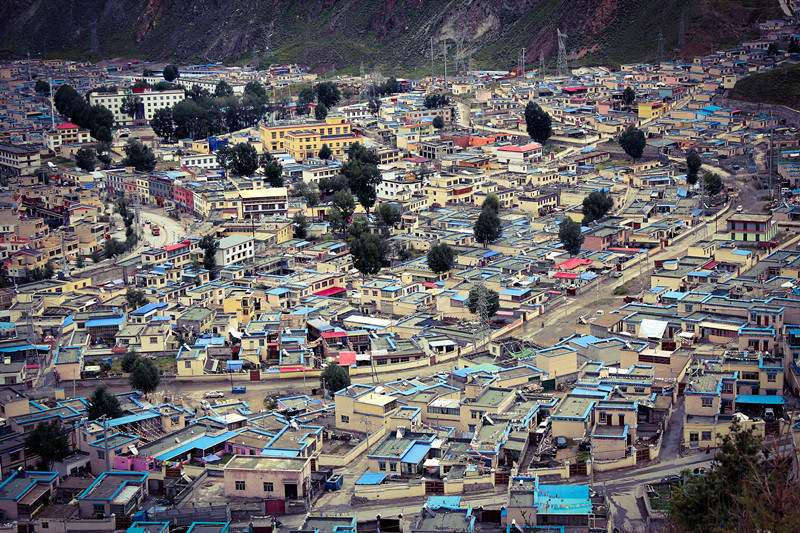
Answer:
(19, 159)
(204, 161)
(151, 101)
(235, 249)
(520, 158)
(66, 133)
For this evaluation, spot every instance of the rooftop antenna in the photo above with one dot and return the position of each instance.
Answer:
(660, 49)
(561, 65)
(682, 31)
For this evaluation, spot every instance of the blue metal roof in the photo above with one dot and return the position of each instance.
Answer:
(759, 399)
(371, 478)
(99, 322)
(416, 453)
(203, 443)
(149, 308)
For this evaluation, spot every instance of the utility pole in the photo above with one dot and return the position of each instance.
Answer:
(523, 63)
(771, 132)
(52, 111)
(444, 46)
(104, 418)
(682, 31)
(29, 65)
(432, 60)
(541, 65)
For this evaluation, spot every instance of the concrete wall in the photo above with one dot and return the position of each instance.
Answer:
(391, 491)
(344, 460)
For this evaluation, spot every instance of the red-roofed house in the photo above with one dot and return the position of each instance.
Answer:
(574, 264)
(520, 158)
(66, 133)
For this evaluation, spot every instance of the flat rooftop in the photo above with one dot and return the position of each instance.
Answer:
(251, 462)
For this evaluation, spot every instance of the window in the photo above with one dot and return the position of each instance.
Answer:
(393, 467)
(772, 377)
(240, 485)
(693, 437)
(268, 486)
(345, 419)
(99, 509)
(708, 402)
(187, 364)
(153, 340)
(602, 418)
(14, 456)
(705, 435)
(382, 466)
(101, 454)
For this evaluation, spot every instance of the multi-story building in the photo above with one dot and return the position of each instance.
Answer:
(520, 158)
(66, 133)
(304, 140)
(751, 228)
(150, 102)
(254, 203)
(235, 249)
(19, 159)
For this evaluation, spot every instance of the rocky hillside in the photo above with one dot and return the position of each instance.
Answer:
(393, 35)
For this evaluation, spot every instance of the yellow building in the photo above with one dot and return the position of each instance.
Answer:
(360, 408)
(651, 109)
(304, 140)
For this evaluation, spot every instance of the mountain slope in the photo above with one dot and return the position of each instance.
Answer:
(394, 35)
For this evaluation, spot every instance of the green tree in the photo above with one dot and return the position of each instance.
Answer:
(359, 226)
(362, 178)
(135, 298)
(334, 378)
(374, 106)
(144, 375)
(438, 122)
(49, 441)
(325, 152)
(436, 100)
(491, 202)
(441, 258)
(209, 245)
(146, 72)
(96, 256)
(320, 112)
(300, 223)
(569, 233)
(345, 205)
(80, 261)
(223, 89)
(171, 73)
(102, 402)
(163, 125)
(628, 96)
(491, 298)
(41, 87)
(126, 363)
(633, 142)
(243, 159)
(255, 88)
(538, 122)
(139, 156)
(48, 270)
(386, 214)
(772, 49)
(693, 164)
(86, 159)
(370, 253)
(712, 183)
(273, 170)
(488, 227)
(596, 206)
(332, 185)
(130, 105)
(328, 93)
(794, 46)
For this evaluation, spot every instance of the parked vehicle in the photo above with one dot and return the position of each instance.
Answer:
(769, 414)
(561, 442)
(205, 405)
(213, 394)
(674, 478)
(768, 244)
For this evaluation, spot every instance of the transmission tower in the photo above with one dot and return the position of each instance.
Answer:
(267, 31)
(660, 49)
(95, 43)
(483, 313)
(541, 65)
(469, 62)
(522, 57)
(444, 49)
(432, 78)
(682, 31)
(255, 59)
(561, 65)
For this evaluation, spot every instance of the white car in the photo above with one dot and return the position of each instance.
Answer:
(213, 394)
(739, 209)
(205, 405)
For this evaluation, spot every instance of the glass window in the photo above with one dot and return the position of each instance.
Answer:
(240, 485)
(268, 486)
(708, 402)
(705, 435)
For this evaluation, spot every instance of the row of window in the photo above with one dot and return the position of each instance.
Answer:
(268, 486)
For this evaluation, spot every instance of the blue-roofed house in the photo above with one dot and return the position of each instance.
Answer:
(118, 493)
(531, 504)
(23, 493)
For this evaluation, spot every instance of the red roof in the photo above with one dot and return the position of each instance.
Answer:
(176, 246)
(710, 265)
(575, 262)
(330, 291)
(67, 126)
(566, 275)
(429, 285)
(333, 334)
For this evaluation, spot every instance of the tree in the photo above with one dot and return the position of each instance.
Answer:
(223, 89)
(163, 125)
(387, 214)
(714, 501)
(273, 170)
(345, 205)
(320, 112)
(491, 298)
(538, 122)
(300, 225)
(491, 202)
(359, 227)
(325, 152)
(332, 185)
(254, 88)
(48, 270)
(370, 253)
(102, 402)
(569, 233)
(633, 142)
(49, 441)
(794, 46)
(86, 158)
(438, 122)
(328, 93)
(362, 178)
(139, 156)
(144, 375)
(41, 87)
(595, 206)
(488, 227)
(243, 159)
(334, 378)
(96, 256)
(374, 106)
(712, 183)
(693, 164)
(171, 73)
(130, 105)
(80, 261)
(628, 96)
(772, 49)
(209, 245)
(436, 100)
(441, 258)
(135, 298)
(126, 363)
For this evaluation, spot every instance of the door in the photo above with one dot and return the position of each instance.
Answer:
(290, 490)
(621, 420)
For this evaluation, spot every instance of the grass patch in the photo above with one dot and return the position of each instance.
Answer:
(780, 86)
(603, 302)
(625, 288)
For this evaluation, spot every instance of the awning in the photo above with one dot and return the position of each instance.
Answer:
(652, 328)
(330, 291)
(566, 275)
(371, 478)
(234, 365)
(759, 399)
(686, 334)
(235, 333)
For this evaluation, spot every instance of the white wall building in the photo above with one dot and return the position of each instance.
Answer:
(235, 249)
(152, 101)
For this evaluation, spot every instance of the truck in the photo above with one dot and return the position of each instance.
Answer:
(155, 230)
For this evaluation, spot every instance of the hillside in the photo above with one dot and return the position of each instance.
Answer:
(393, 35)
(780, 86)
